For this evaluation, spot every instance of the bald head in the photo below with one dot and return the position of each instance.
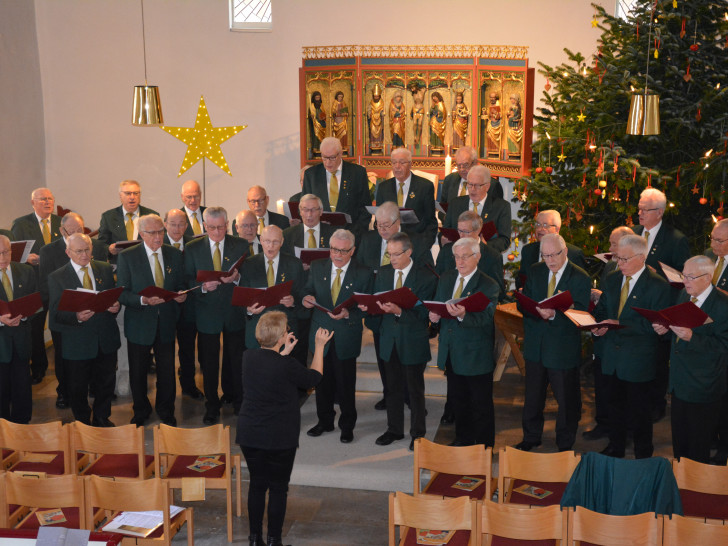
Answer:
(175, 222)
(246, 224)
(191, 195)
(271, 239)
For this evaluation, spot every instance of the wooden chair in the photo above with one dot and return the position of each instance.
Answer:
(594, 528)
(105, 499)
(512, 522)
(679, 531)
(448, 465)
(703, 489)
(33, 496)
(114, 452)
(176, 449)
(37, 449)
(411, 514)
(546, 471)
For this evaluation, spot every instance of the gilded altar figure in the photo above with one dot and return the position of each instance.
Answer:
(340, 120)
(493, 132)
(375, 117)
(438, 115)
(417, 114)
(397, 119)
(460, 120)
(515, 127)
(316, 121)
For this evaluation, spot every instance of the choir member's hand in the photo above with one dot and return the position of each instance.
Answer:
(33, 259)
(344, 314)
(686, 334)
(287, 301)
(235, 277)
(306, 267)
(113, 250)
(7, 320)
(181, 298)
(210, 286)
(444, 240)
(256, 309)
(546, 314)
(289, 344)
(308, 301)
(295, 221)
(660, 329)
(363, 307)
(456, 310)
(434, 317)
(391, 308)
(83, 316)
(114, 308)
(154, 300)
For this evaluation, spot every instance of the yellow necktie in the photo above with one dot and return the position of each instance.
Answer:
(718, 270)
(475, 208)
(46, 231)
(623, 295)
(196, 228)
(399, 280)
(176, 245)
(647, 235)
(270, 274)
(261, 226)
(129, 226)
(158, 273)
(552, 286)
(216, 259)
(334, 192)
(459, 291)
(385, 258)
(400, 194)
(87, 284)
(250, 249)
(336, 287)
(7, 286)
(463, 188)
(694, 300)
(311, 239)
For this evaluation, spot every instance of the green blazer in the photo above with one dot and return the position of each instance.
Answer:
(369, 250)
(297, 236)
(27, 228)
(214, 311)
(670, 247)
(451, 188)
(723, 280)
(112, 227)
(698, 366)
(189, 232)
(347, 332)
(531, 254)
(599, 341)
(468, 343)
(420, 198)
(555, 343)
(631, 353)
(8, 234)
(135, 274)
(254, 275)
(490, 263)
(17, 338)
(497, 211)
(409, 332)
(83, 340)
(53, 256)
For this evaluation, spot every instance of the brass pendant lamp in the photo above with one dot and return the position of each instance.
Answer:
(644, 110)
(147, 109)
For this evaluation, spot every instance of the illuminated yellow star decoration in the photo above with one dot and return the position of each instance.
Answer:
(561, 156)
(581, 116)
(203, 140)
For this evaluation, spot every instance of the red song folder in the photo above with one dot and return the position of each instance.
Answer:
(267, 297)
(25, 306)
(79, 300)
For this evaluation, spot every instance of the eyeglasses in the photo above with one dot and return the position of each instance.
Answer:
(538, 225)
(330, 157)
(474, 186)
(719, 241)
(465, 231)
(215, 228)
(5, 252)
(271, 242)
(386, 226)
(691, 278)
(396, 254)
(194, 197)
(463, 166)
(641, 210)
(308, 211)
(622, 260)
(248, 226)
(257, 201)
(81, 252)
(548, 256)
(45, 199)
(340, 251)
(155, 232)
(462, 258)
(132, 193)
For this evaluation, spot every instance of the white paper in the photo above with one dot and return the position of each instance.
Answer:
(603, 256)
(673, 275)
(287, 210)
(148, 520)
(439, 208)
(26, 251)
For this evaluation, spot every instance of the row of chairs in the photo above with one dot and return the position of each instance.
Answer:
(485, 522)
(87, 503)
(703, 488)
(52, 449)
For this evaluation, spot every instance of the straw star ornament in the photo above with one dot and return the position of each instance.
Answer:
(203, 140)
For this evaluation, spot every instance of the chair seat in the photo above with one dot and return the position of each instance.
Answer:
(71, 514)
(704, 505)
(460, 538)
(443, 483)
(556, 488)
(120, 466)
(55, 467)
(179, 469)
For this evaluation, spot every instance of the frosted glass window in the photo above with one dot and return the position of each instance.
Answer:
(251, 15)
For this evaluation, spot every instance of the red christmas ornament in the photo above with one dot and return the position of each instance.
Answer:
(694, 47)
(597, 191)
(703, 201)
(549, 170)
(511, 257)
(539, 170)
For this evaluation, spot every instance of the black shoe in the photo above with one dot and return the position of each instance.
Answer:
(611, 451)
(318, 429)
(275, 541)
(36, 379)
(720, 458)
(256, 540)
(596, 433)
(387, 438)
(170, 421)
(194, 393)
(447, 418)
(347, 436)
(61, 402)
(102, 423)
(526, 445)
(211, 417)
(381, 405)
(139, 420)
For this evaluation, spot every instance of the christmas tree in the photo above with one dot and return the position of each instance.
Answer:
(590, 170)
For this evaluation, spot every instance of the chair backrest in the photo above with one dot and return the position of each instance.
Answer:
(638, 530)
(518, 522)
(450, 514)
(679, 531)
(704, 478)
(464, 460)
(542, 467)
(122, 440)
(64, 491)
(210, 440)
(52, 436)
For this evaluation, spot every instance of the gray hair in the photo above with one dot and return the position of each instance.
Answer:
(472, 244)
(175, 212)
(476, 222)
(309, 197)
(402, 238)
(36, 190)
(653, 194)
(148, 219)
(125, 183)
(553, 214)
(472, 153)
(401, 151)
(388, 211)
(703, 263)
(637, 243)
(552, 238)
(479, 171)
(331, 141)
(85, 238)
(214, 212)
(622, 230)
(344, 235)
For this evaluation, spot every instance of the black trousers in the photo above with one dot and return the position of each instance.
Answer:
(186, 337)
(630, 408)
(100, 372)
(270, 471)
(16, 391)
(693, 425)
(60, 365)
(382, 365)
(338, 384)
(601, 395)
(567, 392)
(38, 357)
(472, 402)
(397, 376)
(166, 383)
(233, 345)
(658, 386)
